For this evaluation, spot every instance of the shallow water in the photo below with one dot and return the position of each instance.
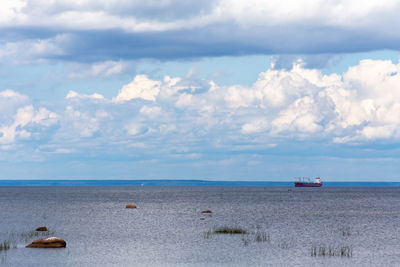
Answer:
(168, 229)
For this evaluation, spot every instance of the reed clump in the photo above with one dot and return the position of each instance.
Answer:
(345, 231)
(225, 231)
(230, 231)
(246, 236)
(331, 251)
(246, 241)
(15, 238)
(7, 244)
(208, 234)
(31, 234)
(284, 245)
(34, 234)
(261, 237)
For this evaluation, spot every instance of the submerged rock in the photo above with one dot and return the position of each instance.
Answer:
(42, 228)
(49, 242)
(206, 211)
(131, 206)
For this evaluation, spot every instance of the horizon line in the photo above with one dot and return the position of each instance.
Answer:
(177, 182)
(204, 180)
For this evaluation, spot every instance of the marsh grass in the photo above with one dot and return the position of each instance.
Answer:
(14, 238)
(225, 231)
(4, 259)
(331, 251)
(261, 237)
(246, 236)
(5, 245)
(345, 231)
(207, 234)
(245, 241)
(283, 245)
(28, 236)
(230, 231)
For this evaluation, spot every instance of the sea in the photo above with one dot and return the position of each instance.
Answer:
(249, 225)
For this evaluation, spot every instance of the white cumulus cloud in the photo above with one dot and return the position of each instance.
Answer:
(23, 123)
(141, 87)
(360, 105)
(72, 94)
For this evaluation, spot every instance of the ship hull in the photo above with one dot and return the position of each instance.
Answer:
(300, 184)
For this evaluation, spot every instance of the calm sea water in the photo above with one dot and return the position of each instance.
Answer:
(168, 229)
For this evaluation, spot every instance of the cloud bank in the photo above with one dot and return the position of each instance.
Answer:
(176, 116)
(110, 31)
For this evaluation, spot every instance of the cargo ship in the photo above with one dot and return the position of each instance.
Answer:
(306, 182)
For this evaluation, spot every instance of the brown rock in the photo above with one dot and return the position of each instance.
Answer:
(131, 206)
(42, 228)
(49, 242)
(206, 211)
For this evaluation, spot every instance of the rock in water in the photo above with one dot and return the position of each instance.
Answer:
(206, 211)
(131, 206)
(49, 242)
(42, 228)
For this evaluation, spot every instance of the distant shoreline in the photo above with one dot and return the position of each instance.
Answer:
(182, 183)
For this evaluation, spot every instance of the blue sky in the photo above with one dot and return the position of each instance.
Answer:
(217, 90)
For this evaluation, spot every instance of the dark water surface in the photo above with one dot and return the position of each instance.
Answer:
(167, 228)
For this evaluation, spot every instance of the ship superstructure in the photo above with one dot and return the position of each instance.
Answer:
(306, 182)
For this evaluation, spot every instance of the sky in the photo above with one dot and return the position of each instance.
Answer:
(216, 90)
